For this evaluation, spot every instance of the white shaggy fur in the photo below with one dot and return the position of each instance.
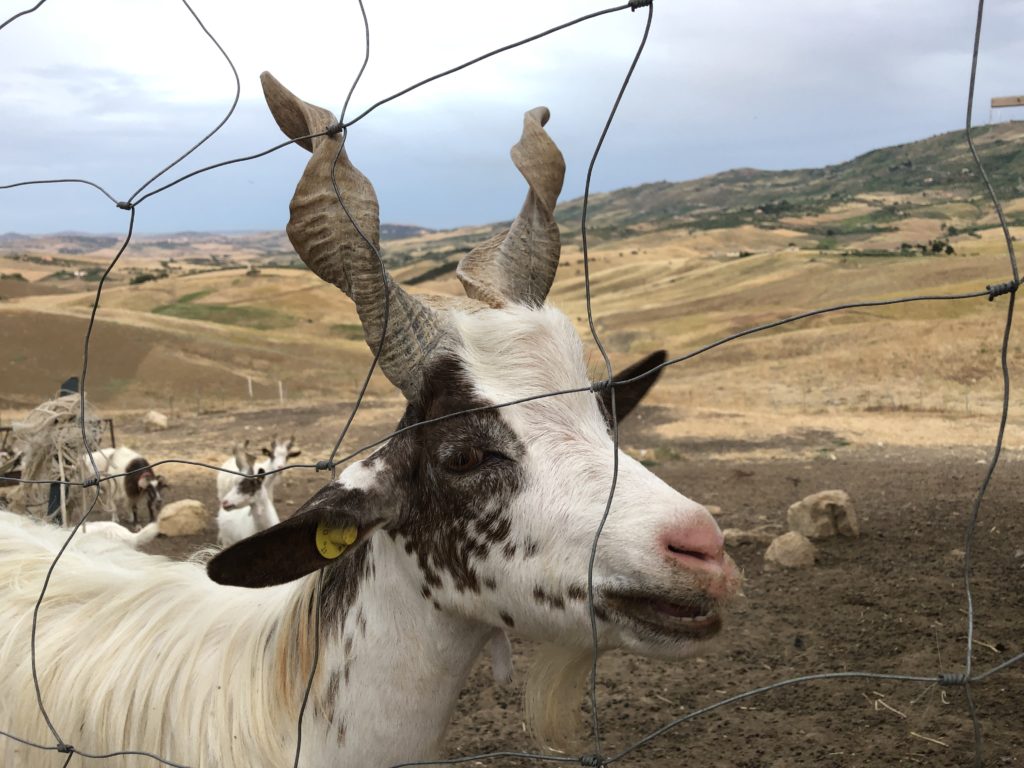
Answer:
(117, 532)
(241, 661)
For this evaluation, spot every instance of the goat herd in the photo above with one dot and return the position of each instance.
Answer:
(245, 492)
(470, 524)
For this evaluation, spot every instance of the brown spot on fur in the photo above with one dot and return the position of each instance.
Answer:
(490, 583)
(509, 551)
(552, 601)
(576, 592)
(425, 591)
(437, 605)
(341, 733)
(341, 583)
(530, 549)
(348, 645)
(331, 695)
(451, 519)
(509, 621)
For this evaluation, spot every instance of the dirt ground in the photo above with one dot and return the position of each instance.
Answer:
(891, 601)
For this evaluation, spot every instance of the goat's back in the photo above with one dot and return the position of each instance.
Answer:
(134, 651)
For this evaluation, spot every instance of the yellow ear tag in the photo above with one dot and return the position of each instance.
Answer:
(332, 542)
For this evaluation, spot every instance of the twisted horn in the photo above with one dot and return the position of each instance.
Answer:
(519, 265)
(328, 240)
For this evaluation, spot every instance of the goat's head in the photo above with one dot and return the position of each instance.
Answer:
(153, 485)
(280, 451)
(244, 491)
(496, 509)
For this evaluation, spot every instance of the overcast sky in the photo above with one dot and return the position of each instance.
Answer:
(113, 90)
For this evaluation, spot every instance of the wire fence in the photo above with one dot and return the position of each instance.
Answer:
(965, 678)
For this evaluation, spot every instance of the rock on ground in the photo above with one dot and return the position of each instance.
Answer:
(154, 421)
(182, 518)
(823, 515)
(739, 536)
(790, 550)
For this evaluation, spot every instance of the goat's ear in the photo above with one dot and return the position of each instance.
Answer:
(293, 454)
(320, 532)
(628, 396)
(295, 117)
(267, 453)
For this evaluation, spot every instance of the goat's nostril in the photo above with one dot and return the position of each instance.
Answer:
(693, 553)
(696, 545)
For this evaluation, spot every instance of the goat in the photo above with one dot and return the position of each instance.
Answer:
(275, 458)
(460, 526)
(247, 506)
(138, 480)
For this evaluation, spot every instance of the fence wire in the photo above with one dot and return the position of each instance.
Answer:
(964, 679)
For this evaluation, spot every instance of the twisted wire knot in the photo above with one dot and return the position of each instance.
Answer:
(592, 761)
(635, 4)
(326, 465)
(125, 206)
(1000, 289)
(90, 482)
(334, 129)
(65, 749)
(602, 386)
(952, 678)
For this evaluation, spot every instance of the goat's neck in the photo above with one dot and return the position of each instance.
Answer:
(263, 510)
(391, 666)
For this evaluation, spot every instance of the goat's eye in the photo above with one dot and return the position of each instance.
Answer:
(465, 460)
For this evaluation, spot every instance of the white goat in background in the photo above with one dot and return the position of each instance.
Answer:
(274, 458)
(449, 532)
(247, 505)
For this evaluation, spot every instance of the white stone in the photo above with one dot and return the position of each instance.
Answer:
(183, 518)
(790, 550)
(736, 536)
(154, 421)
(823, 515)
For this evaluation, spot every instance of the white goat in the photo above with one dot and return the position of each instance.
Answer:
(274, 458)
(462, 525)
(247, 507)
(138, 480)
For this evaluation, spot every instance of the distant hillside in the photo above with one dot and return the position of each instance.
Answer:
(922, 175)
(837, 206)
(866, 204)
(398, 231)
(192, 318)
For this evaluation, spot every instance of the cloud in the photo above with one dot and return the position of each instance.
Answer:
(114, 90)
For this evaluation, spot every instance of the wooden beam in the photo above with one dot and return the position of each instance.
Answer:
(1008, 101)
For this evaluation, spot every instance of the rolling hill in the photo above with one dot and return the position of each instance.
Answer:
(190, 319)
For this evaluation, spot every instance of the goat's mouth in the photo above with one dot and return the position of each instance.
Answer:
(695, 619)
